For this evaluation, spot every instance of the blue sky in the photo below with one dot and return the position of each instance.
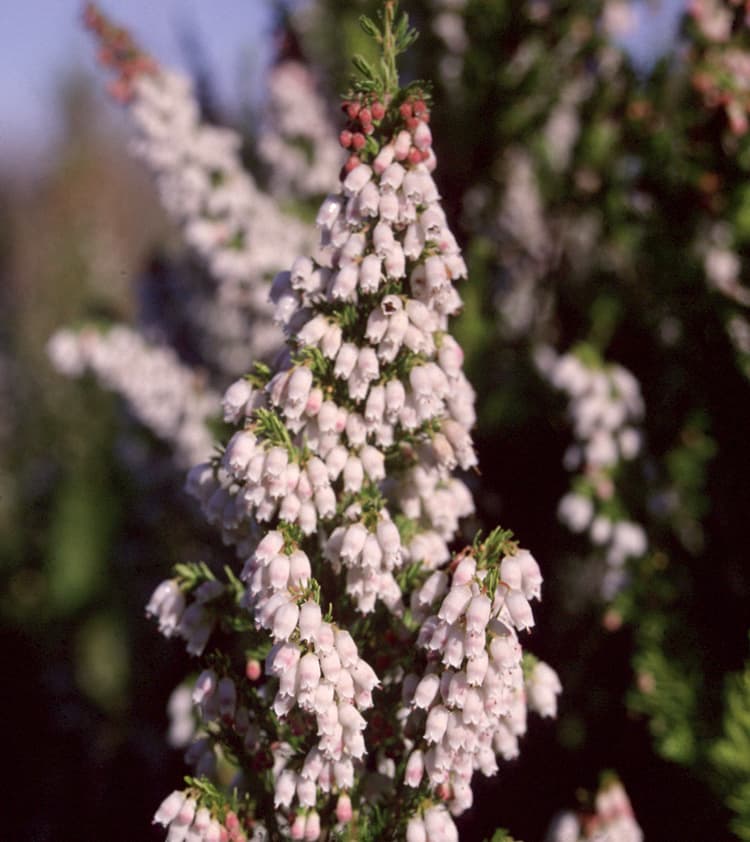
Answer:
(41, 39)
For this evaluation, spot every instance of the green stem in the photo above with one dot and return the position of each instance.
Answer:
(389, 48)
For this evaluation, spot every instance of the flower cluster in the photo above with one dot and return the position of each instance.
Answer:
(187, 820)
(470, 702)
(298, 142)
(526, 245)
(165, 395)
(604, 405)
(192, 620)
(336, 489)
(237, 230)
(612, 819)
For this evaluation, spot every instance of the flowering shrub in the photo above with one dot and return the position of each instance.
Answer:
(379, 671)
(356, 665)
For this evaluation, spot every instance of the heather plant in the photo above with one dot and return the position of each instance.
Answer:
(355, 664)
(603, 209)
(355, 671)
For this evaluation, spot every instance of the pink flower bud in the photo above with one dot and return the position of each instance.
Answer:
(364, 675)
(344, 808)
(285, 621)
(278, 572)
(354, 541)
(235, 399)
(415, 830)
(282, 658)
(519, 610)
(253, 670)
(344, 283)
(298, 827)
(325, 502)
(346, 359)
(213, 832)
(373, 462)
(186, 813)
(356, 179)
(476, 668)
(307, 518)
(383, 159)
(422, 136)
(454, 651)
(389, 539)
(455, 602)
(346, 648)
(388, 207)
(312, 827)
(269, 546)
(353, 474)
(426, 690)
(331, 341)
(531, 575)
(402, 145)
(308, 671)
(299, 568)
(343, 772)
(478, 613)
(169, 808)
(395, 261)
(436, 725)
(394, 397)
(350, 718)
(464, 572)
(370, 273)
(383, 239)
(330, 665)
(310, 619)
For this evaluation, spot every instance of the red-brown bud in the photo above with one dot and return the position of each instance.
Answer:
(405, 110)
(378, 110)
(415, 156)
(253, 669)
(351, 162)
(352, 110)
(358, 141)
(345, 138)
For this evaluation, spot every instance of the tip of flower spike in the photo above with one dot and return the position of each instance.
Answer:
(118, 52)
(379, 113)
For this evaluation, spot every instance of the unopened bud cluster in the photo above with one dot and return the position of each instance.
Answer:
(410, 130)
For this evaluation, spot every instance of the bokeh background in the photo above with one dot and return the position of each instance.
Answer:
(592, 156)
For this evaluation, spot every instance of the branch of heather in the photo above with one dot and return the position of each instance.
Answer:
(392, 670)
